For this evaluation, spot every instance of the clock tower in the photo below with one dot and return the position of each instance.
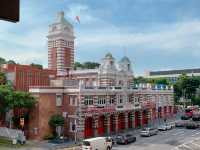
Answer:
(61, 45)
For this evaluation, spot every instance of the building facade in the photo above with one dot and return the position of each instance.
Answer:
(99, 101)
(23, 76)
(172, 75)
(60, 45)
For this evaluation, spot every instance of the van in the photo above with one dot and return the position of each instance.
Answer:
(148, 131)
(98, 143)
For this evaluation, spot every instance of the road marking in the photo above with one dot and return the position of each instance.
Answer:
(186, 146)
(196, 144)
(181, 132)
(196, 134)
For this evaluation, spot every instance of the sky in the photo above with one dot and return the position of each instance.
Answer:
(154, 34)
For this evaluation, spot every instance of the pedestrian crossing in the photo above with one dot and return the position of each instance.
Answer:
(192, 145)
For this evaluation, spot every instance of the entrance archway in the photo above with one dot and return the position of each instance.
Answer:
(121, 121)
(144, 117)
(88, 132)
(101, 125)
(137, 119)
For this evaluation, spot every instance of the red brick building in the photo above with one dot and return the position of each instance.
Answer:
(23, 76)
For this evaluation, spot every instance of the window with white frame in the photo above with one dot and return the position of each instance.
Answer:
(88, 100)
(101, 100)
(112, 99)
(58, 100)
(120, 99)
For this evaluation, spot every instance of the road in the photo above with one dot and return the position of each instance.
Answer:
(166, 140)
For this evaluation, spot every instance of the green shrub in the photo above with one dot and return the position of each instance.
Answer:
(56, 120)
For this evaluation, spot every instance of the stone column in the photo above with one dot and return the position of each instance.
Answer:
(107, 124)
(141, 118)
(133, 119)
(95, 126)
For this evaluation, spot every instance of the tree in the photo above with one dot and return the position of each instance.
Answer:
(139, 79)
(86, 65)
(39, 66)
(77, 65)
(11, 62)
(186, 87)
(2, 61)
(2, 78)
(90, 65)
(164, 81)
(15, 100)
(57, 122)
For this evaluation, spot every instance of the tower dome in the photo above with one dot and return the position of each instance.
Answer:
(125, 64)
(108, 64)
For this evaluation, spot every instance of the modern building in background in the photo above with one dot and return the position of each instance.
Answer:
(23, 76)
(172, 75)
(61, 45)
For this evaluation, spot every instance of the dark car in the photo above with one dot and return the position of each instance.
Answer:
(125, 139)
(196, 117)
(192, 125)
(185, 117)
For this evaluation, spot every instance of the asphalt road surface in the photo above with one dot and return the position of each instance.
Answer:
(166, 140)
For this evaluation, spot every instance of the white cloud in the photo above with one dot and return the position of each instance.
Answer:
(173, 38)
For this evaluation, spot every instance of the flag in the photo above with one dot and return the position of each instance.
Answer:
(78, 19)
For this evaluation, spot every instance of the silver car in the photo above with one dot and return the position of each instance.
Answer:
(149, 131)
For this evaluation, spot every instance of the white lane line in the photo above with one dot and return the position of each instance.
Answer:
(181, 132)
(186, 146)
(196, 145)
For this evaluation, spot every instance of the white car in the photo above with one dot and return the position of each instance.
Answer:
(162, 128)
(100, 143)
(173, 124)
(148, 131)
(168, 125)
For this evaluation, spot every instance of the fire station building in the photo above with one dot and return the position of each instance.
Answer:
(100, 101)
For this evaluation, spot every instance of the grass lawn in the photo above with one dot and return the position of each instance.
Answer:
(7, 144)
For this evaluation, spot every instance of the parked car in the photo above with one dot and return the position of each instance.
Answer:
(173, 125)
(169, 126)
(192, 125)
(125, 139)
(162, 127)
(149, 131)
(185, 117)
(180, 123)
(196, 117)
(100, 143)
